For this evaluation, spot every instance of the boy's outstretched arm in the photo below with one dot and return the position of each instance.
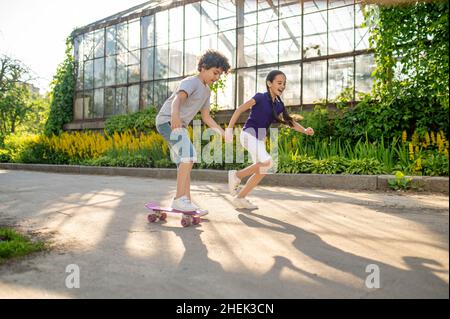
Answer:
(208, 120)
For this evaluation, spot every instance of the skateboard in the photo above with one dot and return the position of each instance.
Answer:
(158, 212)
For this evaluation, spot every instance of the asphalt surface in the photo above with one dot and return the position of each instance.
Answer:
(300, 243)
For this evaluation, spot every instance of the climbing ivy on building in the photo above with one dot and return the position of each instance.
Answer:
(411, 76)
(62, 94)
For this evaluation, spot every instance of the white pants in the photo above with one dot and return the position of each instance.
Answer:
(255, 147)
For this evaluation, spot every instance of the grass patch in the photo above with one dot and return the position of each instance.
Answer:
(13, 244)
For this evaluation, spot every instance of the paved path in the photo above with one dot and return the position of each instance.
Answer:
(300, 243)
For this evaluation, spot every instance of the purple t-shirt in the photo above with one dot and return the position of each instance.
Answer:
(261, 115)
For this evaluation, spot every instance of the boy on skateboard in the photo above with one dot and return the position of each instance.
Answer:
(191, 96)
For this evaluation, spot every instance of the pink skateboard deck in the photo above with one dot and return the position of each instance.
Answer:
(158, 212)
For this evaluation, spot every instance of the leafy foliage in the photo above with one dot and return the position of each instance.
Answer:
(62, 95)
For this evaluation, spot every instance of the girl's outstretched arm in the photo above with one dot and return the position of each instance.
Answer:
(301, 129)
(241, 109)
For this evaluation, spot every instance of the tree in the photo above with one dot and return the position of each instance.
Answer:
(14, 95)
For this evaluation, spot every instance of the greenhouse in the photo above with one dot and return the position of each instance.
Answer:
(136, 58)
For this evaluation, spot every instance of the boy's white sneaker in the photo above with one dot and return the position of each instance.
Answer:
(243, 203)
(200, 211)
(233, 182)
(183, 204)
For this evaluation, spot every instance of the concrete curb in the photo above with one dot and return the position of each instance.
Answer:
(356, 182)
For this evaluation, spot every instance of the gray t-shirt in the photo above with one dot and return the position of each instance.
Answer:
(198, 98)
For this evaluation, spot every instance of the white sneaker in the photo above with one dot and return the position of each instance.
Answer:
(233, 182)
(243, 203)
(200, 211)
(183, 204)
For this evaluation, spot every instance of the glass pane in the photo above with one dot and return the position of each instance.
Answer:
(340, 76)
(247, 49)
(172, 86)
(80, 76)
(249, 13)
(110, 72)
(78, 107)
(98, 104)
(133, 99)
(99, 43)
(192, 21)
(340, 28)
(291, 95)
(314, 81)
(339, 3)
(148, 31)
(99, 72)
(121, 72)
(110, 97)
(225, 98)
(314, 5)
(209, 17)
(111, 40)
(133, 73)
(161, 62)
(261, 79)
(134, 57)
(88, 45)
(359, 16)
(176, 24)
(78, 49)
(227, 15)
(147, 94)
(134, 66)
(162, 27)
(176, 59)
(315, 35)
(147, 69)
(121, 101)
(122, 37)
(289, 8)
(267, 10)
(364, 66)
(209, 42)
(134, 35)
(88, 104)
(246, 82)
(227, 45)
(362, 38)
(268, 42)
(191, 54)
(290, 39)
(88, 75)
(159, 93)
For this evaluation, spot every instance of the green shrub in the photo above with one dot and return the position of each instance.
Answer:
(435, 165)
(142, 121)
(5, 156)
(364, 166)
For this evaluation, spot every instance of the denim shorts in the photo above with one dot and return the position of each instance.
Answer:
(181, 148)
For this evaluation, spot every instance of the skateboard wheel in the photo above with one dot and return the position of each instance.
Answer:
(196, 220)
(185, 222)
(163, 216)
(152, 218)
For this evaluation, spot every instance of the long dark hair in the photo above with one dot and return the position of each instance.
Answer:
(287, 119)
